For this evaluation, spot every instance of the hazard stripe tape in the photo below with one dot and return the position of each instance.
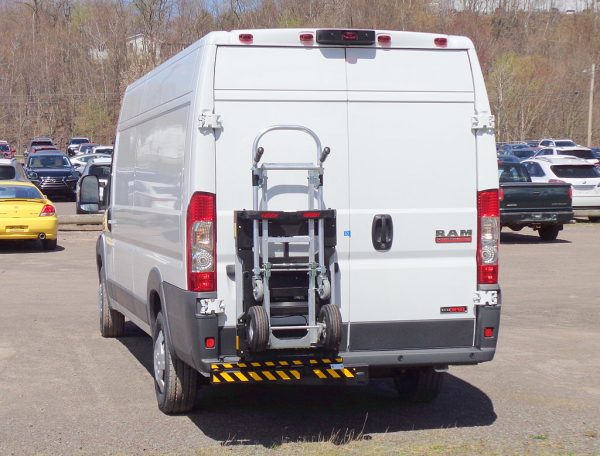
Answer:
(249, 376)
(283, 363)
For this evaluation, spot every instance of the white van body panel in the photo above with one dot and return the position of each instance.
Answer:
(396, 118)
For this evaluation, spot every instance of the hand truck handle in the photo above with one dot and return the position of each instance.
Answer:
(258, 151)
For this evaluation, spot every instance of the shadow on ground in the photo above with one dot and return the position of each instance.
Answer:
(276, 414)
(513, 237)
(28, 246)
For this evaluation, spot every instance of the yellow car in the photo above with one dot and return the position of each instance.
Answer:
(27, 214)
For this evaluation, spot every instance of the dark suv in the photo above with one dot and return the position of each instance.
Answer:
(52, 173)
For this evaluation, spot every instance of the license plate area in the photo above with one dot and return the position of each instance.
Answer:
(16, 228)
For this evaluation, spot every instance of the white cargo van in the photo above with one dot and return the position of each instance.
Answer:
(305, 205)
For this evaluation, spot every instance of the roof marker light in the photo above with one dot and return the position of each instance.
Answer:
(441, 42)
(384, 39)
(246, 38)
(349, 36)
(307, 37)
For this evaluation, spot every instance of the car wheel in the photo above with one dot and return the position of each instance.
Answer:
(594, 219)
(112, 323)
(49, 244)
(548, 233)
(175, 382)
(421, 384)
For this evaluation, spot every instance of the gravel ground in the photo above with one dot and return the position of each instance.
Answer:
(66, 390)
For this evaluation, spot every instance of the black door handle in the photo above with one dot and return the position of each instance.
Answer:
(382, 232)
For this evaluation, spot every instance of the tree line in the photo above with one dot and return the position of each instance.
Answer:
(64, 64)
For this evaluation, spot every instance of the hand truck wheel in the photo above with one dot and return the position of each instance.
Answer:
(257, 329)
(331, 318)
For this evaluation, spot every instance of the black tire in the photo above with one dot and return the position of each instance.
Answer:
(331, 316)
(175, 382)
(548, 233)
(112, 323)
(594, 219)
(422, 384)
(49, 244)
(257, 329)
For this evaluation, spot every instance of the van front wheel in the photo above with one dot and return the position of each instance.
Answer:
(175, 382)
(422, 384)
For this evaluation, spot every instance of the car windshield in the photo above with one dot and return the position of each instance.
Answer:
(564, 143)
(4, 148)
(79, 141)
(19, 192)
(512, 172)
(53, 161)
(524, 153)
(581, 153)
(575, 171)
(42, 143)
(7, 172)
(101, 171)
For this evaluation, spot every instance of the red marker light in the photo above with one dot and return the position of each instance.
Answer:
(384, 39)
(349, 36)
(488, 332)
(441, 42)
(210, 342)
(311, 214)
(307, 37)
(246, 38)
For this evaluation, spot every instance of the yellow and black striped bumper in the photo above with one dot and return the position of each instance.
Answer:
(284, 371)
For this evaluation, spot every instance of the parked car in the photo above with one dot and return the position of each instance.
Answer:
(509, 147)
(11, 169)
(52, 172)
(99, 167)
(522, 153)
(533, 143)
(583, 176)
(6, 151)
(80, 161)
(579, 152)
(108, 150)
(86, 148)
(74, 143)
(27, 214)
(544, 207)
(39, 141)
(557, 143)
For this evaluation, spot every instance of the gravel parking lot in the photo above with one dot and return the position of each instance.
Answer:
(64, 389)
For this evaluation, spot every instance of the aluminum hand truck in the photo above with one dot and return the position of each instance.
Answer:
(297, 285)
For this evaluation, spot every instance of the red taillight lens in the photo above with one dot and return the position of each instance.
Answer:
(314, 214)
(488, 332)
(441, 42)
(202, 242)
(246, 38)
(48, 210)
(307, 37)
(570, 192)
(488, 214)
(349, 36)
(500, 194)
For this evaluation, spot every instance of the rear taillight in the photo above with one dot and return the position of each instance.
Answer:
(48, 210)
(570, 192)
(488, 214)
(500, 194)
(202, 242)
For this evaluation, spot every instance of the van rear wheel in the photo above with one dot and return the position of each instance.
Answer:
(175, 382)
(422, 384)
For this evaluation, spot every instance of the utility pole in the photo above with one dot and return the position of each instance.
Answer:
(591, 106)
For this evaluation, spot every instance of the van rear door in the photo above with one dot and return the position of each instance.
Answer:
(412, 164)
(258, 87)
